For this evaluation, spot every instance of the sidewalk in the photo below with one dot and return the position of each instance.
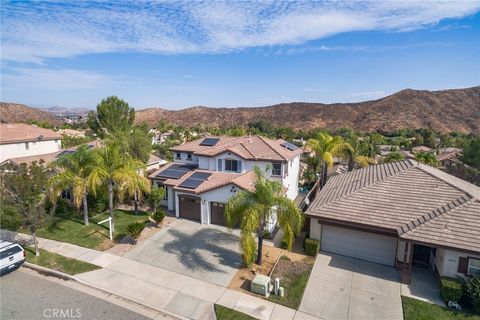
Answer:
(161, 289)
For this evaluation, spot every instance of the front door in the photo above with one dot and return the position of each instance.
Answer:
(421, 255)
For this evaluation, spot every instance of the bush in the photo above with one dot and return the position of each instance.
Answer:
(311, 247)
(135, 229)
(158, 216)
(284, 244)
(451, 289)
(471, 292)
(10, 219)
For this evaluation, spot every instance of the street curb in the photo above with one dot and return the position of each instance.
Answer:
(53, 273)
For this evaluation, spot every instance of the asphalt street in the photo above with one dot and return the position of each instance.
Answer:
(25, 295)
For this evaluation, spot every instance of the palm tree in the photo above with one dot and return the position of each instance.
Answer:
(137, 185)
(427, 158)
(117, 170)
(73, 171)
(357, 160)
(393, 157)
(252, 210)
(326, 147)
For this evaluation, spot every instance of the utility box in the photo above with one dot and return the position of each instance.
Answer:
(261, 285)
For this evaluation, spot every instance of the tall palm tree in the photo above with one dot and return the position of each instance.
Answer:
(73, 171)
(117, 170)
(326, 147)
(252, 210)
(427, 158)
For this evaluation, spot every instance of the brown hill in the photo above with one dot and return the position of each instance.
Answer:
(446, 110)
(14, 112)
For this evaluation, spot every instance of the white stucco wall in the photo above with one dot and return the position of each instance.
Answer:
(15, 150)
(291, 180)
(183, 158)
(315, 229)
(447, 262)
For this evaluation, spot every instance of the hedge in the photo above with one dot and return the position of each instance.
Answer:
(451, 289)
(311, 247)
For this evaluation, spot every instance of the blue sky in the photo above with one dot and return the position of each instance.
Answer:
(228, 54)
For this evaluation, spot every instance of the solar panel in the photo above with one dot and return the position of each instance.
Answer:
(289, 146)
(64, 153)
(191, 183)
(200, 175)
(176, 171)
(209, 142)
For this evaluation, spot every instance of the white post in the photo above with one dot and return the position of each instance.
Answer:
(110, 226)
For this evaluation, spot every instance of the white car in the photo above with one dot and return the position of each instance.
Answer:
(12, 256)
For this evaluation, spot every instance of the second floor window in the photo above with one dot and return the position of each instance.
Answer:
(276, 169)
(27, 146)
(189, 156)
(231, 165)
(177, 156)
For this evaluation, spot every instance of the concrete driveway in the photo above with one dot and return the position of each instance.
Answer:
(345, 288)
(208, 253)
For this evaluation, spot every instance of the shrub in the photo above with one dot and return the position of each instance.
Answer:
(284, 244)
(471, 292)
(451, 289)
(311, 247)
(10, 219)
(135, 229)
(158, 216)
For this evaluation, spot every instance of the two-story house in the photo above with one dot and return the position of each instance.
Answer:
(207, 172)
(19, 140)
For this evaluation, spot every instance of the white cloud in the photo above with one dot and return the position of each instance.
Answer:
(54, 79)
(34, 31)
(369, 95)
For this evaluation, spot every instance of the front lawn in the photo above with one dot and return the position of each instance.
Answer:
(224, 313)
(57, 262)
(68, 227)
(293, 276)
(414, 309)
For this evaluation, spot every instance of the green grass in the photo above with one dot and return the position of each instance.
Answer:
(57, 262)
(414, 309)
(69, 227)
(224, 313)
(294, 288)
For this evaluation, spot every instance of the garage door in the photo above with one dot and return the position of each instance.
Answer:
(358, 244)
(217, 213)
(189, 208)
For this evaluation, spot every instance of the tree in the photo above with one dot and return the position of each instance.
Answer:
(427, 158)
(393, 157)
(73, 171)
(471, 153)
(155, 197)
(117, 170)
(326, 147)
(253, 209)
(25, 188)
(113, 114)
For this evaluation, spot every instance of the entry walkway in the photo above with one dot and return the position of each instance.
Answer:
(423, 287)
(161, 289)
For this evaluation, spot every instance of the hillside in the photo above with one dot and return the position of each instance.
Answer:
(446, 110)
(14, 112)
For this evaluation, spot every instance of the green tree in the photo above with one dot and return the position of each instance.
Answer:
(73, 171)
(155, 197)
(427, 158)
(253, 209)
(25, 189)
(326, 147)
(471, 153)
(113, 114)
(119, 171)
(393, 157)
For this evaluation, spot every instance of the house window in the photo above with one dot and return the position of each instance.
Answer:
(474, 266)
(27, 146)
(177, 156)
(276, 169)
(231, 165)
(189, 156)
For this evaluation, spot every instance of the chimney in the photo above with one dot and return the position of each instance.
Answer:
(250, 138)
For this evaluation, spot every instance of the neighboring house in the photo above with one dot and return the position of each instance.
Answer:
(422, 149)
(158, 137)
(154, 163)
(336, 170)
(386, 149)
(208, 171)
(24, 140)
(448, 160)
(401, 214)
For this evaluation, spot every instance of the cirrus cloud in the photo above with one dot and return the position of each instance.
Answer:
(34, 31)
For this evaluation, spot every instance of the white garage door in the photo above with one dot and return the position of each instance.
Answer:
(358, 244)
